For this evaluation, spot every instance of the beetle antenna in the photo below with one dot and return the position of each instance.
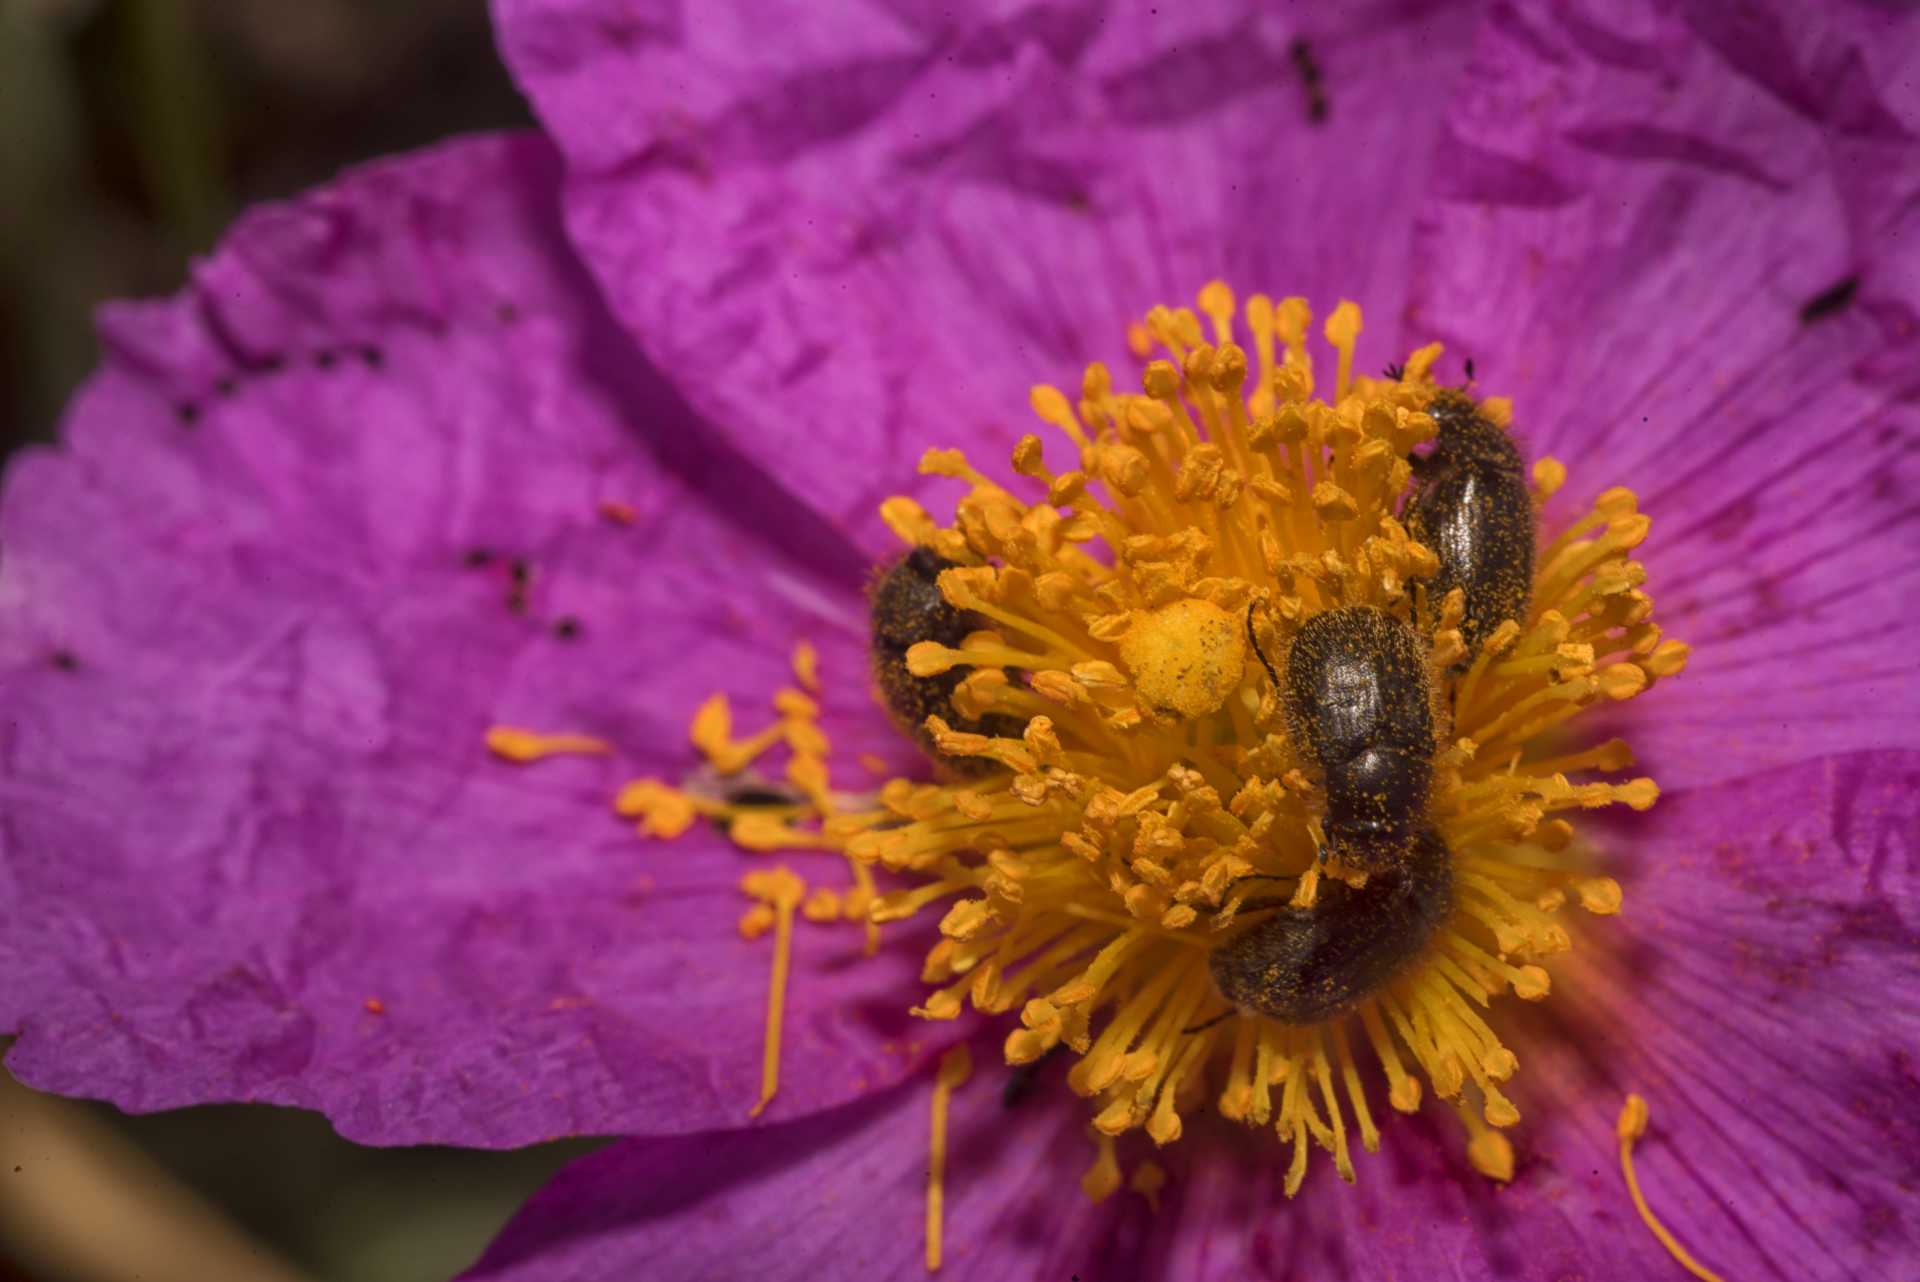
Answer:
(1201, 1028)
(1255, 642)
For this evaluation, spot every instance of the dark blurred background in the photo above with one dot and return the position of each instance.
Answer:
(130, 133)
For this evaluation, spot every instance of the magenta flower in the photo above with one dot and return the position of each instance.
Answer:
(454, 444)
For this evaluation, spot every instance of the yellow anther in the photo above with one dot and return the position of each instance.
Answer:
(663, 811)
(1333, 503)
(1229, 369)
(1531, 983)
(908, 520)
(1622, 681)
(515, 744)
(1668, 658)
(1147, 1180)
(792, 703)
(1290, 320)
(806, 665)
(1051, 406)
(757, 921)
(1161, 380)
(1549, 474)
(712, 726)
(1492, 1155)
(1098, 673)
(1216, 300)
(822, 905)
(1599, 895)
(930, 658)
(1617, 502)
(1638, 794)
(1420, 362)
(1343, 331)
(1102, 1179)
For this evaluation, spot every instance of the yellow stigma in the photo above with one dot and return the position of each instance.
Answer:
(1185, 658)
(1102, 848)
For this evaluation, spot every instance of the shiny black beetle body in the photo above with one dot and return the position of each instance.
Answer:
(1471, 508)
(1304, 965)
(905, 608)
(1359, 707)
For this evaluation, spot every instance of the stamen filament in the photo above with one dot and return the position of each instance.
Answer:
(955, 1067)
(783, 891)
(1631, 1126)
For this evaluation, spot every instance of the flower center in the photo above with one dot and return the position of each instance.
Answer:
(1259, 719)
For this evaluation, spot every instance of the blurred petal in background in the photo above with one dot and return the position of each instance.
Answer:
(132, 131)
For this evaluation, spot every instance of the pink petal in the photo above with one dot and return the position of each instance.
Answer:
(1758, 991)
(1683, 244)
(884, 229)
(254, 847)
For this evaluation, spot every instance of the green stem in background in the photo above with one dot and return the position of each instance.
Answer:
(175, 122)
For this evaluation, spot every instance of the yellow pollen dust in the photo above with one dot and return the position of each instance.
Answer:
(1139, 770)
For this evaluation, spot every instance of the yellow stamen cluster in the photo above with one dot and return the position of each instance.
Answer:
(1087, 882)
(1084, 881)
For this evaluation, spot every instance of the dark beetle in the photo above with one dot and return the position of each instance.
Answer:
(1020, 1078)
(1359, 707)
(1303, 965)
(1472, 510)
(906, 607)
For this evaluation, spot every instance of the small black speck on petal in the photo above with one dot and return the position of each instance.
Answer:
(517, 595)
(507, 313)
(477, 557)
(64, 660)
(1834, 298)
(373, 356)
(323, 359)
(224, 387)
(566, 627)
(187, 412)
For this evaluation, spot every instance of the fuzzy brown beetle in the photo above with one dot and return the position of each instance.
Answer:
(1303, 965)
(905, 607)
(1471, 509)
